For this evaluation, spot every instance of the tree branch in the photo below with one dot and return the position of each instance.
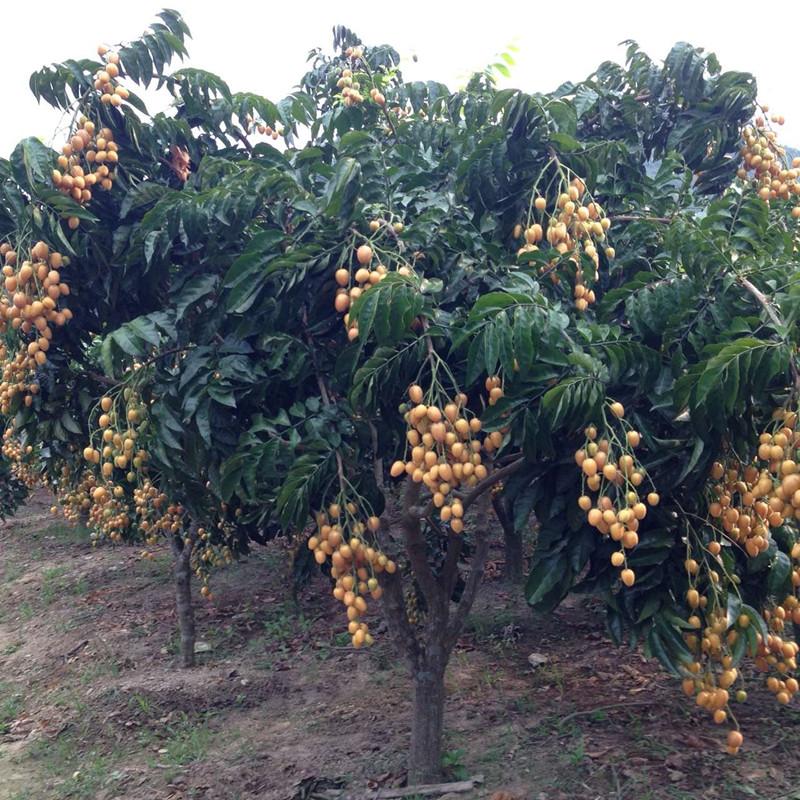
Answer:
(394, 608)
(449, 576)
(416, 548)
(377, 462)
(101, 379)
(168, 352)
(242, 138)
(634, 218)
(491, 480)
(774, 317)
(477, 567)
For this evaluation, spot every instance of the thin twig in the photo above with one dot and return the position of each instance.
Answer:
(774, 317)
(634, 218)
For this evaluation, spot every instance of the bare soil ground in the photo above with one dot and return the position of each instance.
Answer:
(93, 704)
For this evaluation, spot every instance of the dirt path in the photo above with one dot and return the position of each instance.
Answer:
(93, 705)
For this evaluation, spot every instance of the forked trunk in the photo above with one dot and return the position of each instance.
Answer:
(182, 572)
(425, 755)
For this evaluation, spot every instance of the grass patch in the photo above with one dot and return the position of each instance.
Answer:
(56, 584)
(178, 743)
(75, 771)
(11, 648)
(11, 705)
(11, 571)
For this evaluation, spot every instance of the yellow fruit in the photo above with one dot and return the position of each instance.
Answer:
(364, 255)
(628, 577)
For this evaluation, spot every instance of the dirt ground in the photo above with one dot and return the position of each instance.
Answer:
(93, 704)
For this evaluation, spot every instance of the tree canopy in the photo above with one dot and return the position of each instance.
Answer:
(353, 314)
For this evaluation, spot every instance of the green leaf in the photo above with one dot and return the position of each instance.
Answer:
(32, 162)
(342, 190)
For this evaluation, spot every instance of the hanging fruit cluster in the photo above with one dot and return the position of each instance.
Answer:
(351, 96)
(443, 448)
(29, 305)
(74, 493)
(87, 161)
(350, 84)
(351, 285)
(575, 228)
(749, 499)
(610, 468)
(765, 163)
(105, 79)
(22, 459)
(711, 676)
(253, 125)
(346, 537)
(115, 508)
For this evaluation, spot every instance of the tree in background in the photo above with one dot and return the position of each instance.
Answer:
(420, 307)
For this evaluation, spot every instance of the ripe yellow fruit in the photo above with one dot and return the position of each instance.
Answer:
(628, 577)
(735, 739)
(364, 255)
(618, 410)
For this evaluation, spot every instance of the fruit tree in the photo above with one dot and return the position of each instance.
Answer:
(379, 315)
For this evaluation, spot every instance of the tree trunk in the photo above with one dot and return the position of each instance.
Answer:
(513, 567)
(425, 754)
(182, 573)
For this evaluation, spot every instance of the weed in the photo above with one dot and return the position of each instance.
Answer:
(11, 703)
(453, 764)
(188, 742)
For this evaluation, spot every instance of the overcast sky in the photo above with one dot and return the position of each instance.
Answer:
(262, 47)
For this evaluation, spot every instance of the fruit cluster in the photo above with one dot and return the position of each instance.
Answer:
(575, 228)
(74, 496)
(346, 538)
(610, 468)
(765, 163)
(746, 502)
(350, 286)
(21, 458)
(88, 160)
(443, 449)
(29, 305)
(105, 79)
(264, 128)
(749, 499)
(351, 96)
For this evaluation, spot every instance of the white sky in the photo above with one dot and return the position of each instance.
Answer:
(261, 47)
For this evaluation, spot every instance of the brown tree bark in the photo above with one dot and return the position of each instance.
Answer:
(182, 575)
(427, 721)
(428, 650)
(512, 542)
